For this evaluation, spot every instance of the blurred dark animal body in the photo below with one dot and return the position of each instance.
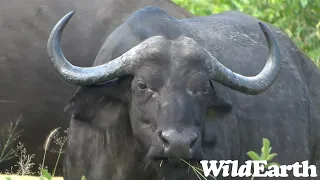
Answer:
(28, 85)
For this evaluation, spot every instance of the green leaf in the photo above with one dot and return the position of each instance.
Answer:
(253, 155)
(83, 178)
(237, 5)
(266, 147)
(42, 178)
(271, 156)
(304, 3)
(46, 174)
(262, 153)
(8, 178)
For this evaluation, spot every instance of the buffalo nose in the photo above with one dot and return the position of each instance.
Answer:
(178, 144)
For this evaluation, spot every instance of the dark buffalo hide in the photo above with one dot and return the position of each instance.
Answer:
(28, 85)
(173, 100)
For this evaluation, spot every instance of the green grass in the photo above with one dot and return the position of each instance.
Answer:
(24, 162)
(9, 134)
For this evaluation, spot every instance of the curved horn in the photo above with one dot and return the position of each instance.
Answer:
(84, 76)
(255, 84)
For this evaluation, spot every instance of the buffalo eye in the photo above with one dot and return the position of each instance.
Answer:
(206, 89)
(142, 85)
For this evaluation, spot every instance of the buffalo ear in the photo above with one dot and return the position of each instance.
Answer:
(119, 89)
(222, 100)
(221, 104)
(88, 100)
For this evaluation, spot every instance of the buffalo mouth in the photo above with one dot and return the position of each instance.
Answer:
(175, 168)
(175, 161)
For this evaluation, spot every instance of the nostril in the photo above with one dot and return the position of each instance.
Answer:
(163, 139)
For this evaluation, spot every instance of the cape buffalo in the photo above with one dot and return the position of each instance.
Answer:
(27, 83)
(161, 89)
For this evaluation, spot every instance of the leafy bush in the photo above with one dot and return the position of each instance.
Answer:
(264, 156)
(299, 19)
